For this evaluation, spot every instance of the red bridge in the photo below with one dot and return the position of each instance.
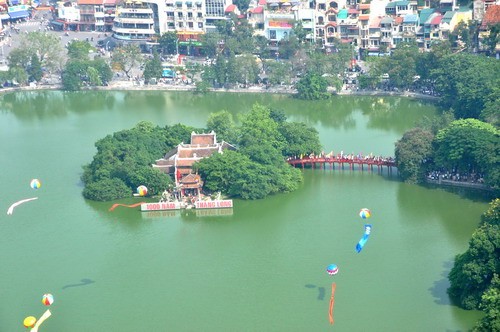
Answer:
(344, 161)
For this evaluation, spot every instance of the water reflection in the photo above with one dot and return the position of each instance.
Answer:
(440, 287)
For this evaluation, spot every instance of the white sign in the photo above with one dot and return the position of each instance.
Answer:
(160, 206)
(228, 203)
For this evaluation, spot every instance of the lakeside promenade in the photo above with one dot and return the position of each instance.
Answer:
(123, 85)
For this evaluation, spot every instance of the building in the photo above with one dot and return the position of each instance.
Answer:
(138, 20)
(179, 161)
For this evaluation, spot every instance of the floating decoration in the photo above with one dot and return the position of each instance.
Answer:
(332, 269)
(332, 303)
(35, 184)
(142, 190)
(365, 213)
(10, 210)
(364, 238)
(47, 299)
(114, 206)
(29, 322)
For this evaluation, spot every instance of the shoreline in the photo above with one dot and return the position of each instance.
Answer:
(130, 86)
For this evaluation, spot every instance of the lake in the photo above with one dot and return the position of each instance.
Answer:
(260, 266)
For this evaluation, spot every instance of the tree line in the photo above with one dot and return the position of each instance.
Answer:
(475, 276)
(255, 170)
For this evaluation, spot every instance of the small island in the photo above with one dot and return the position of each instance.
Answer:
(252, 167)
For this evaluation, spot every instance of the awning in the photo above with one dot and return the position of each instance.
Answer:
(57, 23)
(19, 14)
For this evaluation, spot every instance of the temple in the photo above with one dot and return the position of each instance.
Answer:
(179, 161)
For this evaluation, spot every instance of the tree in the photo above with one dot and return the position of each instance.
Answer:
(46, 46)
(223, 125)
(106, 190)
(124, 159)
(278, 72)
(169, 42)
(78, 73)
(312, 87)
(18, 75)
(127, 57)
(401, 66)
(413, 153)
(242, 5)
(490, 304)
(153, 68)
(299, 31)
(19, 57)
(474, 271)
(299, 139)
(211, 42)
(258, 130)
(490, 111)
(247, 69)
(493, 38)
(79, 50)
(288, 47)
(34, 71)
(469, 145)
(465, 82)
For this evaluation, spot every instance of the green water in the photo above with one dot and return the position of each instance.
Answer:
(260, 267)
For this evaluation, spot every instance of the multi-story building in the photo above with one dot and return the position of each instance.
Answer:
(278, 22)
(137, 20)
(215, 10)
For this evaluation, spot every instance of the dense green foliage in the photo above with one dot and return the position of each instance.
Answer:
(465, 83)
(412, 152)
(123, 161)
(469, 146)
(466, 146)
(153, 68)
(312, 87)
(258, 168)
(80, 73)
(473, 279)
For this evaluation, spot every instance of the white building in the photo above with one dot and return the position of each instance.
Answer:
(140, 20)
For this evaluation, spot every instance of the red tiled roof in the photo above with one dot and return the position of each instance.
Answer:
(230, 8)
(200, 153)
(365, 17)
(90, 2)
(331, 24)
(185, 162)
(398, 20)
(364, 6)
(258, 10)
(191, 178)
(352, 11)
(492, 16)
(436, 20)
(204, 139)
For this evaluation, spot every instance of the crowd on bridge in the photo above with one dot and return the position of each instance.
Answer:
(341, 157)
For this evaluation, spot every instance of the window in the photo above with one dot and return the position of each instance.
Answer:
(190, 24)
(200, 25)
(190, 15)
(272, 34)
